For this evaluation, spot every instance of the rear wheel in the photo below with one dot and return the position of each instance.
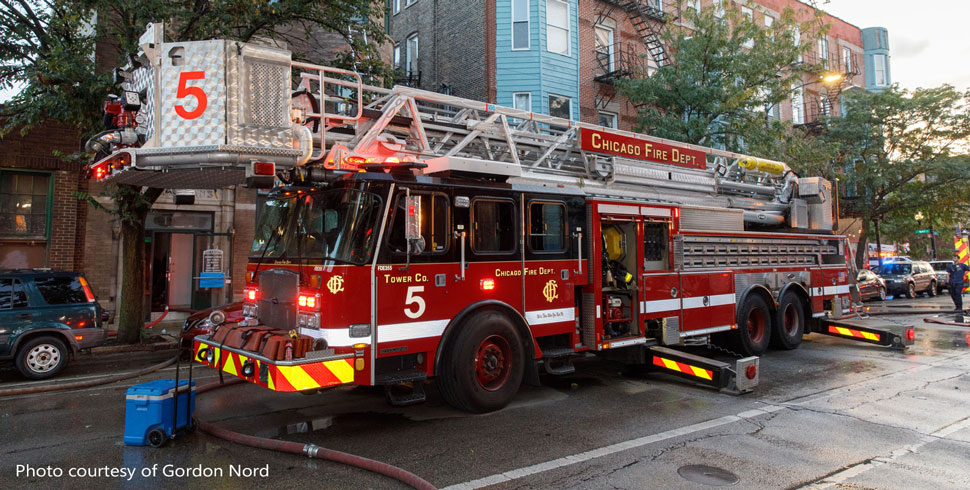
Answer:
(932, 290)
(42, 357)
(482, 369)
(789, 322)
(754, 327)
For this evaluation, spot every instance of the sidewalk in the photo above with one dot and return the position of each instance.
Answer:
(162, 336)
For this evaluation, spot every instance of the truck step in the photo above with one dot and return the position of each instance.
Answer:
(416, 395)
(401, 377)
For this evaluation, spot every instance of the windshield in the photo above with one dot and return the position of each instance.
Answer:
(896, 269)
(274, 219)
(939, 266)
(338, 225)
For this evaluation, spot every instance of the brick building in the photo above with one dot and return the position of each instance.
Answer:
(561, 57)
(41, 222)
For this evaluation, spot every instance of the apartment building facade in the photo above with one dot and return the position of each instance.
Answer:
(562, 57)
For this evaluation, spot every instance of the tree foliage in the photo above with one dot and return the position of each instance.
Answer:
(727, 72)
(49, 51)
(897, 152)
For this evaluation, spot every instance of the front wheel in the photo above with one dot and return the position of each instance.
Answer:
(482, 369)
(882, 294)
(911, 291)
(41, 358)
(789, 322)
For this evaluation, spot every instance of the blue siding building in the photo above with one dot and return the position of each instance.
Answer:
(535, 68)
(875, 41)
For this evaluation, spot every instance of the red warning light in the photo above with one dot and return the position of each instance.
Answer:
(488, 284)
(412, 211)
(911, 334)
(751, 371)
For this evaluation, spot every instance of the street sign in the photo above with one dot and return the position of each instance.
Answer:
(925, 232)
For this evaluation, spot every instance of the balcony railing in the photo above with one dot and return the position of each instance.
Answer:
(616, 61)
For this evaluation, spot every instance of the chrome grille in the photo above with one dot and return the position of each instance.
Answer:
(278, 290)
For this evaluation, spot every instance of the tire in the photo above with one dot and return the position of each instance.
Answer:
(754, 327)
(932, 290)
(911, 290)
(157, 438)
(482, 369)
(41, 357)
(882, 294)
(789, 325)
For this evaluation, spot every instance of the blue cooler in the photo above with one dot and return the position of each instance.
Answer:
(150, 411)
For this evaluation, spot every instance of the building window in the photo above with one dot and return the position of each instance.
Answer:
(559, 106)
(522, 101)
(747, 12)
(520, 24)
(605, 58)
(397, 56)
(23, 204)
(769, 21)
(547, 227)
(657, 4)
(411, 55)
(694, 4)
(397, 6)
(879, 65)
(774, 112)
(847, 59)
(796, 35)
(823, 51)
(608, 120)
(798, 107)
(493, 226)
(557, 26)
(718, 9)
(409, 3)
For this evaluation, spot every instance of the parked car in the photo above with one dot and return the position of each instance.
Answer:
(871, 285)
(942, 278)
(909, 278)
(198, 323)
(46, 317)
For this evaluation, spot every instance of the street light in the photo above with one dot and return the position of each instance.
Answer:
(833, 77)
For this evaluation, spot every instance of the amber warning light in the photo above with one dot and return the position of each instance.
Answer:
(488, 284)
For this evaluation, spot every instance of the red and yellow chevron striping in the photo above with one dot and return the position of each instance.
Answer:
(848, 332)
(960, 246)
(683, 368)
(279, 378)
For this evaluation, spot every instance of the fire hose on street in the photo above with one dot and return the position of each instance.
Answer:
(75, 385)
(309, 450)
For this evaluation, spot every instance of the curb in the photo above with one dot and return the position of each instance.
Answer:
(114, 349)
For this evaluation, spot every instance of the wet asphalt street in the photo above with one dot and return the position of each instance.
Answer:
(832, 414)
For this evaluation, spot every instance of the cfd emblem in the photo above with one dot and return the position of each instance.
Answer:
(551, 291)
(335, 284)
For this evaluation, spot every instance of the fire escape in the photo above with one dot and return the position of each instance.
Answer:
(619, 60)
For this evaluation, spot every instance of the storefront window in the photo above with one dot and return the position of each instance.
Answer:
(23, 204)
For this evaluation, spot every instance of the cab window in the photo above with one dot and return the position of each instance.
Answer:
(547, 226)
(493, 226)
(435, 223)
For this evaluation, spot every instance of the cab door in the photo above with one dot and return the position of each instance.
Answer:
(660, 300)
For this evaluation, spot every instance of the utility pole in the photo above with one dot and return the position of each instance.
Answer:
(878, 244)
(932, 235)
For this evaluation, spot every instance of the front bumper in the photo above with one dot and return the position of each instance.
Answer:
(309, 373)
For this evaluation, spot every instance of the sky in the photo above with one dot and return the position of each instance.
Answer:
(929, 42)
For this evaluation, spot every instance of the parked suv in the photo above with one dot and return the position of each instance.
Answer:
(46, 317)
(942, 278)
(909, 278)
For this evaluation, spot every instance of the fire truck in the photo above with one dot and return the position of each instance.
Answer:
(410, 234)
